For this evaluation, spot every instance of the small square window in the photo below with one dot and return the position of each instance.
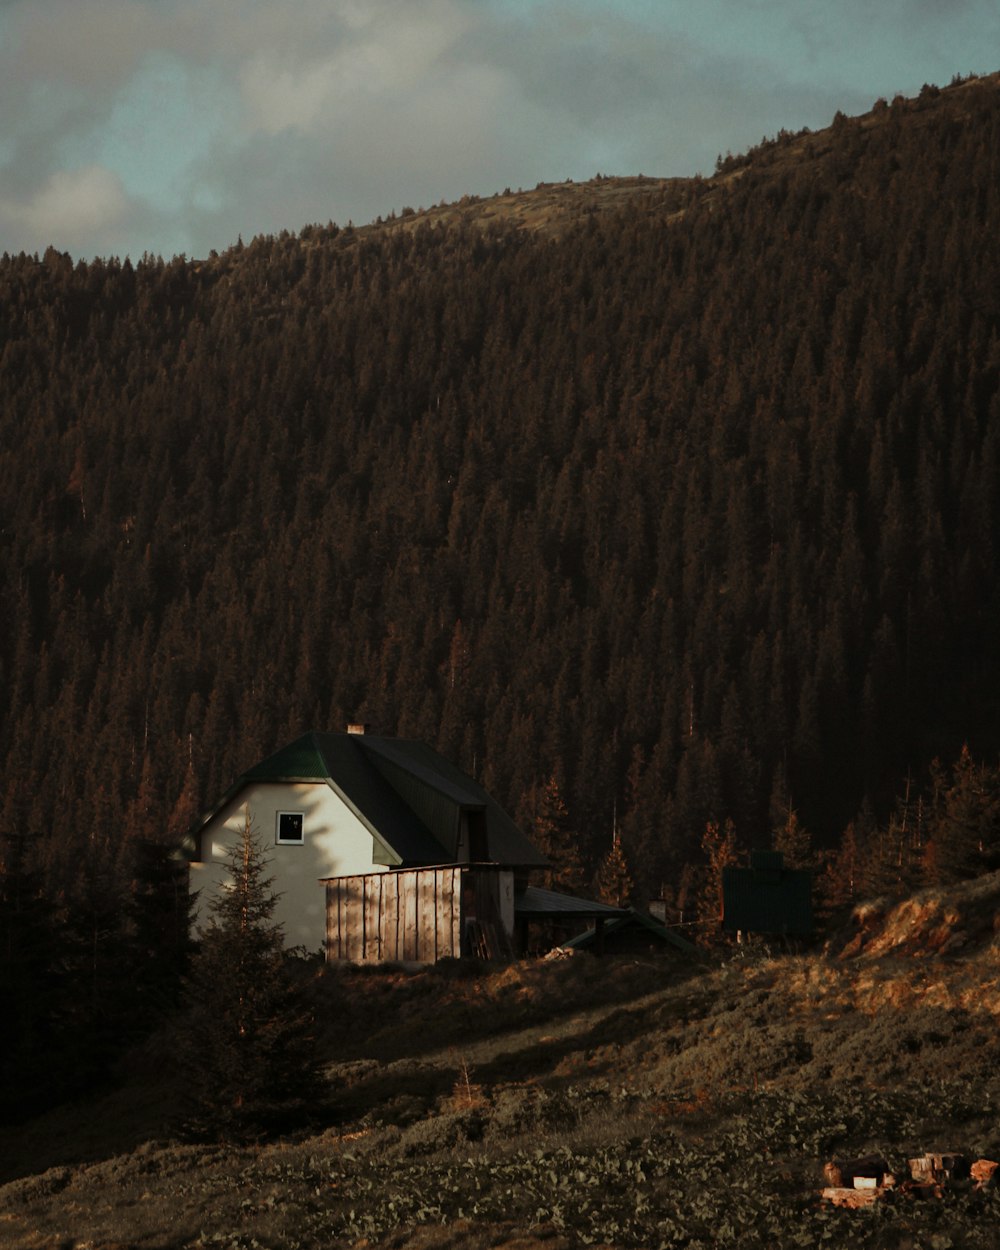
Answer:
(289, 831)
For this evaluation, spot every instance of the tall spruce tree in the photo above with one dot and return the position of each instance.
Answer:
(718, 844)
(247, 1038)
(158, 939)
(553, 833)
(965, 821)
(613, 882)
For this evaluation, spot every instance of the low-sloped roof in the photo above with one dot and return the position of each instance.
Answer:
(635, 920)
(407, 795)
(534, 903)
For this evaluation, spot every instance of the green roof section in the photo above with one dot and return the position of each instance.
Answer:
(408, 796)
(301, 760)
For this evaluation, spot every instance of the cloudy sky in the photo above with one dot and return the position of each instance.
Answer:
(174, 126)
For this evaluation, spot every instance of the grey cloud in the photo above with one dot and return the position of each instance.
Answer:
(337, 109)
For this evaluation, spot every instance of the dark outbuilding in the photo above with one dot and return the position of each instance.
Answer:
(767, 897)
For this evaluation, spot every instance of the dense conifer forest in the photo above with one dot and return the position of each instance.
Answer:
(683, 514)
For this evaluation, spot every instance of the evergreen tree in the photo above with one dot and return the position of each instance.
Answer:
(553, 834)
(793, 840)
(965, 821)
(718, 844)
(100, 996)
(247, 1037)
(613, 881)
(158, 911)
(788, 834)
(884, 860)
(840, 881)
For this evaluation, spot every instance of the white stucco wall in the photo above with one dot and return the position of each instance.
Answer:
(335, 844)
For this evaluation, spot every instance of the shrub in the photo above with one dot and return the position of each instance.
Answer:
(441, 1132)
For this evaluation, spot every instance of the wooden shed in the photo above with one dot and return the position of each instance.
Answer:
(421, 915)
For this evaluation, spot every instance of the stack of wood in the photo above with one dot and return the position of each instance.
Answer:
(862, 1182)
(931, 1173)
(858, 1182)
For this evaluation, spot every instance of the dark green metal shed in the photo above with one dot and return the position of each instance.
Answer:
(767, 897)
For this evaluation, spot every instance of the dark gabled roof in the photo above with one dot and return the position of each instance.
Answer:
(407, 795)
(634, 919)
(534, 903)
(429, 782)
(428, 767)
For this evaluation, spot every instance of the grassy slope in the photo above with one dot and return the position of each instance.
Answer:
(551, 207)
(626, 1102)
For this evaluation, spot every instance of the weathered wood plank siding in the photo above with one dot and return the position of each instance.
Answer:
(416, 914)
(455, 908)
(353, 906)
(408, 902)
(392, 920)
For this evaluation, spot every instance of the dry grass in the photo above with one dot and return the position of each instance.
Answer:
(475, 1106)
(550, 209)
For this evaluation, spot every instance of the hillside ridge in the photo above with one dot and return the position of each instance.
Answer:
(552, 208)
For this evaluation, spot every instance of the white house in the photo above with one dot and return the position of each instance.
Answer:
(350, 805)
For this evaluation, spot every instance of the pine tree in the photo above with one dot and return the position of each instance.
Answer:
(788, 834)
(613, 881)
(841, 881)
(100, 993)
(185, 810)
(553, 834)
(247, 1039)
(965, 821)
(158, 943)
(794, 841)
(718, 844)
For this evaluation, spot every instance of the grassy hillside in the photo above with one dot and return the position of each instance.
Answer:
(550, 209)
(628, 1102)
